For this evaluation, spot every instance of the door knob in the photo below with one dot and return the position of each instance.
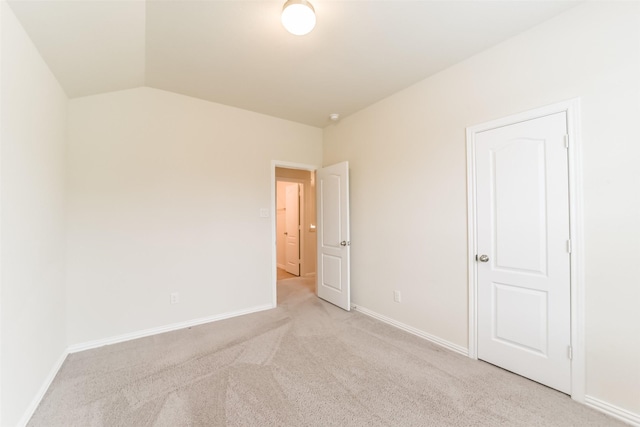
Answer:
(286, 233)
(343, 243)
(483, 258)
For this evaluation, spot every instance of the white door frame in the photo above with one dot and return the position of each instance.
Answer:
(274, 261)
(572, 109)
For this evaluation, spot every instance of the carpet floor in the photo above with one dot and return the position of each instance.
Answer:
(305, 363)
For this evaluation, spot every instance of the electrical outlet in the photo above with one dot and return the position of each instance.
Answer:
(175, 298)
(264, 213)
(397, 297)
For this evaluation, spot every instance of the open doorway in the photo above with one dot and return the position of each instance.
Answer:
(289, 227)
(294, 227)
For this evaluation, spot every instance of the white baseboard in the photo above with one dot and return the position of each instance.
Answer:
(121, 338)
(607, 408)
(439, 341)
(602, 406)
(612, 410)
(31, 409)
(167, 328)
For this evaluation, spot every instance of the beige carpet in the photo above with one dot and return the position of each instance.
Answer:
(306, 363)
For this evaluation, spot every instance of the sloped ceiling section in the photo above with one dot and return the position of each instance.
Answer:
(91, 46)
(237, 53)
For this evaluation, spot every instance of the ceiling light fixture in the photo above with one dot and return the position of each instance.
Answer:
(298, 17)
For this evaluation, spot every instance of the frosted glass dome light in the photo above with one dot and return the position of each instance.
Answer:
(298, 17)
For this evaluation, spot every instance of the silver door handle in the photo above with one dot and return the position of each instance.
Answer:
(483, 258)
(343, 243)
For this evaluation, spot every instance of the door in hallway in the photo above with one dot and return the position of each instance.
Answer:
(292, 233)
(523, 268)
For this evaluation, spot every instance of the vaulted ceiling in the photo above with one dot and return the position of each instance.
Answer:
(236, 52)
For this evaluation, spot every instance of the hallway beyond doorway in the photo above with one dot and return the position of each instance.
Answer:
(283, 274)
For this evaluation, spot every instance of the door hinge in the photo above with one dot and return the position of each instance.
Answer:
(569, 246)
(570, 352)
(566, 141)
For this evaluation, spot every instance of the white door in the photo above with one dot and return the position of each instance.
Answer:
(292, 233)
(333, 235)
(523, 236)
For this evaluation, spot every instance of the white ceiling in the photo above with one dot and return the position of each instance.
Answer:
(236, 52)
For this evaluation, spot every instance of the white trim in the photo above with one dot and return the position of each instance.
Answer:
(414, 331)
(578, 301)
(31, 409)
(162, 329)
(26, 417)
(612, 410)
(471, 243)
(572, 109)
(274, 261)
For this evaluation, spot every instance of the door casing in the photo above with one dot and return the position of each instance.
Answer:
(572, 109)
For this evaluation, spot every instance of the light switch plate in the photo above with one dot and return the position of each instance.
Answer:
(397, 296)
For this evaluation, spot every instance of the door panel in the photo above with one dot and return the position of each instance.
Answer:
(520, 317)
(332, 271)
(333, 235)
(518, 179)
(523, 226)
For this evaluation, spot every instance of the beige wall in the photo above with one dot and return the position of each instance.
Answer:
(293, 174)
(408, 182)
(32, 144)
(165, 193)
